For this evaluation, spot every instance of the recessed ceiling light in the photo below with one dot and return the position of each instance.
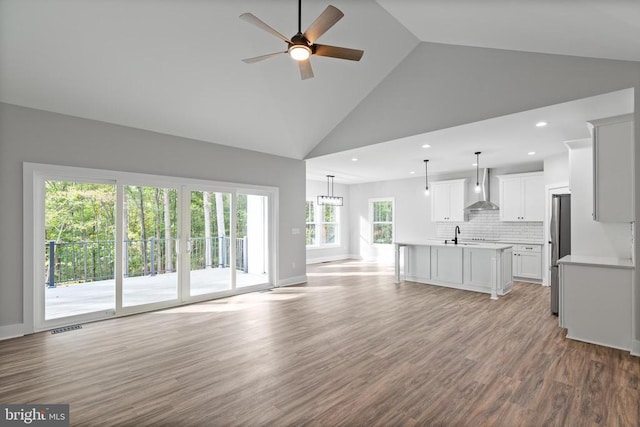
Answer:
(474, 164)
(531, 153)
(355, 159)
(412, 172)
(541, 124)
(426, 146)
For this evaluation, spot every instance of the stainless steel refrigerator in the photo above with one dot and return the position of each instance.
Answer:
(560, 244)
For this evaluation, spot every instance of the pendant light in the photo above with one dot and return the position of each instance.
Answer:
(426, 177)
(329, 198)
(478, 188)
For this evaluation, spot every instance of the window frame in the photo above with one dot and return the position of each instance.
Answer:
(314, 223)
(319, 223)
(372, 223)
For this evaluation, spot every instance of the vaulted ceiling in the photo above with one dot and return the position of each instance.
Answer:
(174, 66)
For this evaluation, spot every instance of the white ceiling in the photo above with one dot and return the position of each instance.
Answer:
(593, 28)
(174, 66)
(503, 141)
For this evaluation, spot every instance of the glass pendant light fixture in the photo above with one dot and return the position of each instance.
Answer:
(426, 177)
(329, 198)
(478, 188)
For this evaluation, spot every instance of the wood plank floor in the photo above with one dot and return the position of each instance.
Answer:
(348, 348)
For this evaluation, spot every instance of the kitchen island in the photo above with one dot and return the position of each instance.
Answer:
(473, 266)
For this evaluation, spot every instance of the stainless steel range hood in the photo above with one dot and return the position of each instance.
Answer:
(485, 204)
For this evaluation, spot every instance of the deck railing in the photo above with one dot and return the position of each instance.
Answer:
(79, 262)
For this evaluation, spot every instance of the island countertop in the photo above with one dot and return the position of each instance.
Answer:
(441, 242)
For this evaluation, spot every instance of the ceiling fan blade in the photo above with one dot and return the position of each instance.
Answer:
(252, 19)
(261, 58)
(338, 52)
(305, 69)
(326, 20)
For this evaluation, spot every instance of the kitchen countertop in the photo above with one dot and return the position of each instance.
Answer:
(441, 242)
(596, 261)
(531, 242)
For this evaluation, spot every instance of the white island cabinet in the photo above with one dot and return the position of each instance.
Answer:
(480, 267)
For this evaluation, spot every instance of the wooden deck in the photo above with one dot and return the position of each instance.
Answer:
(348, 348)
(68, 300)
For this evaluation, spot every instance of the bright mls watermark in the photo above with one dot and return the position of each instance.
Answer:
(34, 415)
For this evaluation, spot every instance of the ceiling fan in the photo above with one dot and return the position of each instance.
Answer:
(301, 46)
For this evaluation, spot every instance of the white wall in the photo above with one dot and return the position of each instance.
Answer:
(556, 169)
(589, 237)
(333, 253)
(411, 215)
(412, 208)
(28, 135)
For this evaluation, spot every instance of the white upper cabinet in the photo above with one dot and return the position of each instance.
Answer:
(522, 197)
(613, 168)
(448, 200)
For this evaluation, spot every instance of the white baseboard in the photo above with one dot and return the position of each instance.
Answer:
(292, 281)
(328, 259)
(11, 331)
(635, 348)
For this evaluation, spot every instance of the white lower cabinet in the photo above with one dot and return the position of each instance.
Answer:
(595, 302)
(478, 267)
(417, 264)
(527, 261)
(446, 264)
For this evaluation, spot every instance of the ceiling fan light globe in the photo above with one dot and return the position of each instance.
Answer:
(299, 52)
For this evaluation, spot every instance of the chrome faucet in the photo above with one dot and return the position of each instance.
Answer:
(456, 232)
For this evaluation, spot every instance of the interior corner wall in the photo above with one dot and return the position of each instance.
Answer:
(341, 251)
(28, 135)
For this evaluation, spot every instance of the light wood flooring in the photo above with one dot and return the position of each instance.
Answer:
(348, 348)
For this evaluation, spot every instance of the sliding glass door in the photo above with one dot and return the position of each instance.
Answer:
(209, 244)
(252, 243)
(115, 244)
(150, 236)
(79, 250)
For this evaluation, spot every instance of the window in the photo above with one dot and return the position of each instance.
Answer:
(322, 224)
(311, 224)
(329, 225)
(381, 221)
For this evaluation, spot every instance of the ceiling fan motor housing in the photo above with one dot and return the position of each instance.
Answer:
(299, 43)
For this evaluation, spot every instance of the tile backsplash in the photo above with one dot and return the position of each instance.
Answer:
(487, 225)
